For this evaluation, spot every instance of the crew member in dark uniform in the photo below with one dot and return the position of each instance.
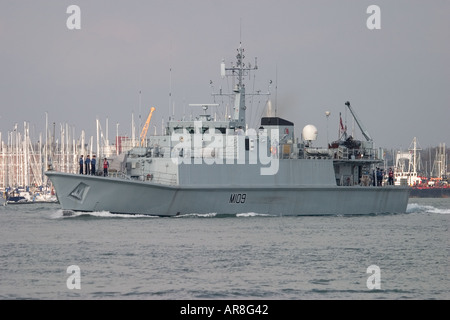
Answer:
(81, 161)
(93, 163)
(87, 163)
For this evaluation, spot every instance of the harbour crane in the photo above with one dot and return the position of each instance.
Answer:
(145, 128)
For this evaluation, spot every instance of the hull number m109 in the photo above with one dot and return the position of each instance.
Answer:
(238, 197)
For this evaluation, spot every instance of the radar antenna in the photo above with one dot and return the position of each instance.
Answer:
(239, 70)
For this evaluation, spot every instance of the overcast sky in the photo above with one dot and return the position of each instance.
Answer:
(318, 54)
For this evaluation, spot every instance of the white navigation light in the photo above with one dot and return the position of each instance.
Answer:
(222, 69)
(309, 133)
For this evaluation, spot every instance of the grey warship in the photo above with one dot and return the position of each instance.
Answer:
(206, 165)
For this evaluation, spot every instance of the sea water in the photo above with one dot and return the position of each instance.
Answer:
(45, 254)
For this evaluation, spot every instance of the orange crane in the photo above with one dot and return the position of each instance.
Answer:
(145, 128)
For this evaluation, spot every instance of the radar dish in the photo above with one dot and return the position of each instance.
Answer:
(309, 133)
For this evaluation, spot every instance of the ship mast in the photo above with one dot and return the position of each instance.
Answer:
(240, 70)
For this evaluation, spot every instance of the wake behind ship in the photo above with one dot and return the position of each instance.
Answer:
(208, 165)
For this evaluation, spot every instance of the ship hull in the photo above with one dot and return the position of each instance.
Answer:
(93, 194)
(430, 192)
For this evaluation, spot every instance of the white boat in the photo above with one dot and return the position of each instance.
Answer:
(405, 171)
(16, 196)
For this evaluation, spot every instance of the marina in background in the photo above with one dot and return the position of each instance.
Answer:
(24, 159)
(427, 178)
